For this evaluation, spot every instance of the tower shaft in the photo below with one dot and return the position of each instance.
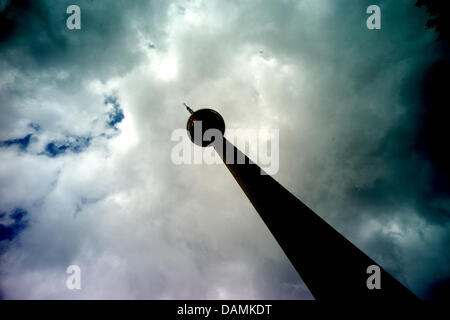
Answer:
(330, 265)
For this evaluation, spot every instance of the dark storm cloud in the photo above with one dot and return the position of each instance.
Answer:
(412, 150)
(34, 36)
(439, 17)
(415, 150)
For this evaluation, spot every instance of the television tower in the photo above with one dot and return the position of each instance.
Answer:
(329, 264)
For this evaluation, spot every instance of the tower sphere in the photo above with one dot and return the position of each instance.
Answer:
(210, 119)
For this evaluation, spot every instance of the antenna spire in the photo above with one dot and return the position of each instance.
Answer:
(188, 109)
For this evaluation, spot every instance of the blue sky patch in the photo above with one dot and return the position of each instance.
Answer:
(9, 232)
(72, 144)
(116, 115)
(21, 142)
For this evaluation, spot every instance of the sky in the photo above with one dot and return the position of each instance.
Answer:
(86, 175)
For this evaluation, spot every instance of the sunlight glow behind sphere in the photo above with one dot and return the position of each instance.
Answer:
(167, 69)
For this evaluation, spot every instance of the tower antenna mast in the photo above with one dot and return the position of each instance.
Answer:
(188, 109)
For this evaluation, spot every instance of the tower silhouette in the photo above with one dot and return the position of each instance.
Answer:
(329, 264)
